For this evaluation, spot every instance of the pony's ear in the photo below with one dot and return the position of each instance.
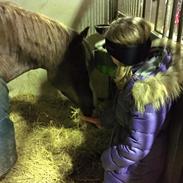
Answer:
(77, 39)
(84, 33)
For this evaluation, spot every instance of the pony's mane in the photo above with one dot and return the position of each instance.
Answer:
(38, 37)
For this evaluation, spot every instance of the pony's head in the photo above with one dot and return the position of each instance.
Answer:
(51, 46)
(72, 77)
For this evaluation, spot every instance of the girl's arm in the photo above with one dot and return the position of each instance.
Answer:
(144, 129)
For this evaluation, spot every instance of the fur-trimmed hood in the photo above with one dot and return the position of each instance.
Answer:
(163, 86)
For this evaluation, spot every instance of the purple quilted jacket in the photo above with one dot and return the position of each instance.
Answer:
(137, 153)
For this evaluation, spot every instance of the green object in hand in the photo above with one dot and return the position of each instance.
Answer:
(103, 62)
(105, 69)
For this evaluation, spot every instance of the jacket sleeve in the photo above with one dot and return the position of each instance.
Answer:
(137, 144)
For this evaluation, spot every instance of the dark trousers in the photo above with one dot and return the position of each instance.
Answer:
(8, 153)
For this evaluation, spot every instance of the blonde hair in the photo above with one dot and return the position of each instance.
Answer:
(127, 31)
(123, 74)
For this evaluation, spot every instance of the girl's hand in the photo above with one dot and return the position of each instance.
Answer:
(92, 120)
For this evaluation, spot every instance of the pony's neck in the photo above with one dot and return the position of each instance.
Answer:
(10, 68)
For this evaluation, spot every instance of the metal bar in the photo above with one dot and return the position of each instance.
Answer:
(117, 7)
(141, 8)
(138, 9)
(114, 8)
(102, 14)
(173, 19)
(144, 8)
(134, 8)
(125, 9)
(140, 5)
(150, 10)
(122, 6)
(127, 5)
(120, 14)
(159, 33)
(139, 2)
(111, 10)
(165, 19)
(98, 11)
(179, 35)
(136, 3)
(157, 12)
(110, 13)
(147, 9)
(106, 16)
(131, 9)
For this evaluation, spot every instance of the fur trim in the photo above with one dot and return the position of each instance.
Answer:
(156, 90)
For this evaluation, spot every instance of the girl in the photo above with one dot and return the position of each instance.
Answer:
(149, 79)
